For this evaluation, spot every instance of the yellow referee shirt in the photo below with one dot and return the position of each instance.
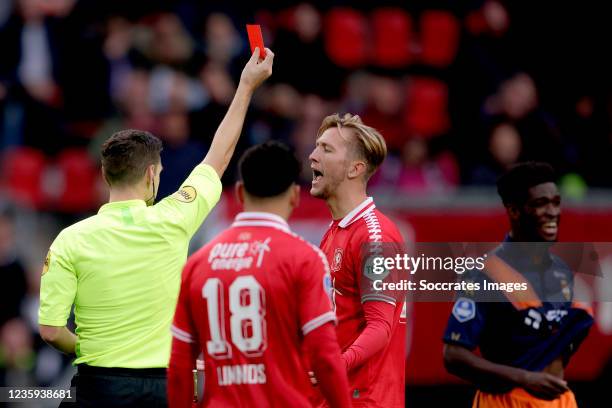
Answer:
(121, 269)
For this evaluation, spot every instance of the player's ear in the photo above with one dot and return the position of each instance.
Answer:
(239, 191)
(357, 169)
(294, 199)
(150, 174)
(104, 177)
(513, 211)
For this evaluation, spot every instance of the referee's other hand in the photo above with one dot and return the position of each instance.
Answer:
(256, 71)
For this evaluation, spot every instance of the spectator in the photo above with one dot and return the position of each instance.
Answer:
(302, 30)
(416, 171)
(14, 278)
(181, 153)
(425, 174)
(15, 336)
(516, 101)
(30, 67)
(222, 43)
(117, 45)
(504, 150)
(385, 110)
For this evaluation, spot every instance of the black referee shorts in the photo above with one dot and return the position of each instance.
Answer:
(101, 387)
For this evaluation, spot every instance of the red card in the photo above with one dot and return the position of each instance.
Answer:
(256, 39)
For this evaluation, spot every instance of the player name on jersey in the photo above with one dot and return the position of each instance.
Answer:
(227, 310)
(241, 374)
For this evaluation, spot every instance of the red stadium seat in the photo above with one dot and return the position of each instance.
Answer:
(346, 38)
(22, 175)
(392, 33)
(440, 32)
(426, 112)
(79, 176)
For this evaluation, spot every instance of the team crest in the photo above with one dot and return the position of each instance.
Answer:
(464, 309)
(337, 261)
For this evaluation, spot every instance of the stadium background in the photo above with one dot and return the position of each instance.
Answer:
(460, 90)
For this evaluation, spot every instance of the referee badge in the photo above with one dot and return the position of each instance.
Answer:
(47, 262)
(186, 194)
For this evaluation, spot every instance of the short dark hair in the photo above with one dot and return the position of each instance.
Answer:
(512, 186)
(127, 154)
(268, 169)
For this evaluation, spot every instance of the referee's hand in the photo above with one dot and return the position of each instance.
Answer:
(256, 71)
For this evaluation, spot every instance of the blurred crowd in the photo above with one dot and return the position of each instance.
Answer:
(460, 91)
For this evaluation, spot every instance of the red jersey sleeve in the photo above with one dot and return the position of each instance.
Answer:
(183, 327)
(384, 241)
(314, 291)
(374, 337)
(327, 365)
(184, 349)
(376, 238)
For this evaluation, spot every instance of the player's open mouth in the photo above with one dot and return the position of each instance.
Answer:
(316, 176)
(550, 228)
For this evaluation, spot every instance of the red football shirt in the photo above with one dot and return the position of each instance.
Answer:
(380, 381)
(248, 298)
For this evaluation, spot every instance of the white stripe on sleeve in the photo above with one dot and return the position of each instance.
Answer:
(318, 322)
(181, 334)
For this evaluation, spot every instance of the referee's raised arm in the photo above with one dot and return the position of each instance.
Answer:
(184, 211)
(226, 137)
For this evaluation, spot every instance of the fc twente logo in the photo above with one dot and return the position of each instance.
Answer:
(337, 261)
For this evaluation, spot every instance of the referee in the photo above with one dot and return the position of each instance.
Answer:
(121, 268)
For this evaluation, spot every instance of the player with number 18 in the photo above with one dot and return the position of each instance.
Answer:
(254, 298)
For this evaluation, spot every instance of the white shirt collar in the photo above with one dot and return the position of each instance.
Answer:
(260, 219)
(366, 206)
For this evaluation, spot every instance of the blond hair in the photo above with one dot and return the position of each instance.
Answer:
(370, 145)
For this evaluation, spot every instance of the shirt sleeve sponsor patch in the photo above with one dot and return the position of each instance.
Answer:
(47, 262)
(328, 287)
(464, 309)
(185, 194)
(372, 273)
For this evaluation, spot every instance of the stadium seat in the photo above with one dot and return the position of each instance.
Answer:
(22, 176)
(392, 33)
(426, 112)
(346, 38)
(78, 176)
(440, 33)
